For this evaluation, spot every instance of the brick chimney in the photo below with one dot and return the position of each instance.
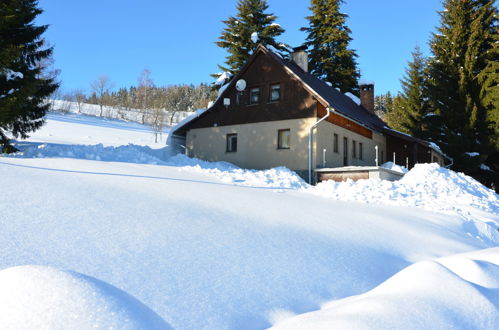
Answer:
(367, 95)
(300, 57)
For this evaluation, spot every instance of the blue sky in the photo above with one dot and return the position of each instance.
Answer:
(175, 39)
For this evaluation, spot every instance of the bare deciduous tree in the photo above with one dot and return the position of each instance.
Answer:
(177, 99)
(101, 88)
(145, 84)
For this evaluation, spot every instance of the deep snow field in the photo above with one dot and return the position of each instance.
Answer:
(103, 228)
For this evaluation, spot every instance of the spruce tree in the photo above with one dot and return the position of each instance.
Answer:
(328, 40)
(23, 85)
(238, 36)
(412, 105)
(462, 48)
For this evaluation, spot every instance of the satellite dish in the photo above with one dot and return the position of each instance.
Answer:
(241, 85)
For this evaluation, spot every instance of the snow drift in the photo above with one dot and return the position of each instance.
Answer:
(38, 297)
(458, 291)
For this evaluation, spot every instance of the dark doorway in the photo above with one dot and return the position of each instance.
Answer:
(345, 151)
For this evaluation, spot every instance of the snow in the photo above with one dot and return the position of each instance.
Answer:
(11, 75)
(135, 115)
(472, 154)
(211, 245)
(457, 292)
(394, 167)
(39, 297)
(222, 78)
(353, 98)
(435, 147)
(254, 37)
(365, 82)
(484, 167)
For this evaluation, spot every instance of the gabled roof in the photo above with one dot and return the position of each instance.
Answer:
(332, 97)
(328, 95)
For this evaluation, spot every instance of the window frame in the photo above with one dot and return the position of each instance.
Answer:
(228, 143)
(270, 93)
(280, 140)
(354, 149)
(259, 95)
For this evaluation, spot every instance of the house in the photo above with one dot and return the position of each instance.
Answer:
(275, 113)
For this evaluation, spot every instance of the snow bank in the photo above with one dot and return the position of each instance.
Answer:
(427, 186)
(128, 153)
(430, 187)
(456, 292)
(37, 297)
(279, 177)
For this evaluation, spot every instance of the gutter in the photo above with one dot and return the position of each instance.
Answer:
(310, 138)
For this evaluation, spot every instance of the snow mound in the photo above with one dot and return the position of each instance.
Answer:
(426, 186)
(279, 177)
(394, 167)
(128, 153)
(456, 292)
(39, 297)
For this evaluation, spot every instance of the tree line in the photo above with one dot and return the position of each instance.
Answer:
(145, 96)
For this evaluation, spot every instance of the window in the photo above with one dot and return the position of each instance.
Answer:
(239, 98)
(335, 143)
(360, 151)
(231, 143)
(275, 93)
(354, 149)
(255, 95)
(382, 157)
(283, 138)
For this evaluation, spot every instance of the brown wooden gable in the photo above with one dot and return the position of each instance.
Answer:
(344, 122)
(296, 102)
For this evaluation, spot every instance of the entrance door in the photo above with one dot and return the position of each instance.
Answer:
(345, 151)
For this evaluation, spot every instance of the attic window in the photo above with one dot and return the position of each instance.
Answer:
(275, 92)
(255, 95)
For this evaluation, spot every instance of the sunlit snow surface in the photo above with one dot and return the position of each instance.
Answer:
(210, 245)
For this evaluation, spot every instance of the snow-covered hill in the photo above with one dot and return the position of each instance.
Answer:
(209, 245)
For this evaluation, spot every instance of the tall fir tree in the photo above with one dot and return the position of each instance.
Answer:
(23, 84)
(239, 38)
(412, 103)
(328, 40)
(462, 48)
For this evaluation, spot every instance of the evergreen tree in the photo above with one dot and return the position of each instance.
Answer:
(412, 103)
(328, 38)
(383, 104)
(463, 49)
(238, 36)
(23, 84)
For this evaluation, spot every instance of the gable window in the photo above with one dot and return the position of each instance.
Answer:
(231, 143)
(354, 149)
(275, 92)
(283, 138)
(255, 95)
(335, 143)
(360, 151)
(239, 98)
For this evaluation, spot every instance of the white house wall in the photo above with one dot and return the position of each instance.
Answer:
(256, 144)
(324, 138)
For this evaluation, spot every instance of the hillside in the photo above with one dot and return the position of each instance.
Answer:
(210, 245)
